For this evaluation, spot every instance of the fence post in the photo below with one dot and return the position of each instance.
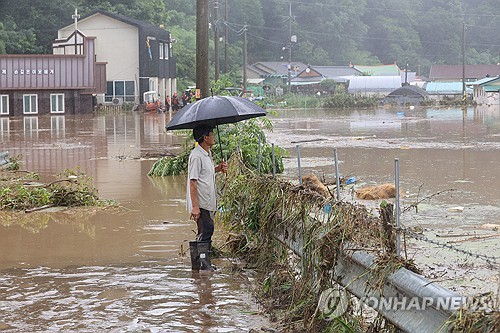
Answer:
(397, 210)
(274, 162)
(298, 163)
(259, 156)
(337, 175)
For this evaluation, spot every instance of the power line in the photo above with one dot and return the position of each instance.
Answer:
(363, 37)
(423, 12)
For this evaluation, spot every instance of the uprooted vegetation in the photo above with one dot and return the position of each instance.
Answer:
(257, 207)
(23, 191)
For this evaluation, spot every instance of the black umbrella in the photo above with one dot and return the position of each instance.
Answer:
(214, 111)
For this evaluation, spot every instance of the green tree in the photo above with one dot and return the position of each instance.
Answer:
(3, 38)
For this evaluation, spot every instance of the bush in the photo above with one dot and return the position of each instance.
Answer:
(242, 137)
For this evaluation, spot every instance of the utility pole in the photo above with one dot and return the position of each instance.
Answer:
(225, 37)
(290, 50)
(202, 38)
(245, 50)
(406, 74)
(464, 93)
(216, 39)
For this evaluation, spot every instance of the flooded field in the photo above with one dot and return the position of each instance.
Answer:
(125, 270)
(448, 151)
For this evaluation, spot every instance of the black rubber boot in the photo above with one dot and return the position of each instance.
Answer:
(204, 251)
(195, 258)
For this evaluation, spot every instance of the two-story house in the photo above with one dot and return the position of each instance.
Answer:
(138, 55)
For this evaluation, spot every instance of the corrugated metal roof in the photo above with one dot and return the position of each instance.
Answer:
(441, 72)
(379, 70)
(445, 88)
(334, 71)
(277, 67)
(483, 81)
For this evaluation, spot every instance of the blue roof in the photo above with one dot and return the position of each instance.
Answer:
(445, 88)
(482, 81)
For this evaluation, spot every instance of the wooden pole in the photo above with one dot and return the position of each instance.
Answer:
(225, 37)
(216, 39)
(202, 39)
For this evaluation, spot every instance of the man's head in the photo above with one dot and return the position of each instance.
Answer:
(200, 131)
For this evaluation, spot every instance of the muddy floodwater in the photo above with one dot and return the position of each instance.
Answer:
(450, 156)
(122, 270)
(126, 270)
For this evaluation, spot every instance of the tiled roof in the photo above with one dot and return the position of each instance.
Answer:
(440, 72)
(125, 19)
(334, 71)
(276, 67)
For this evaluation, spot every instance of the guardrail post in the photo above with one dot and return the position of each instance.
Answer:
(274, 161)
(397, 210)
(298, 163)
(337, 175)
(259, 156)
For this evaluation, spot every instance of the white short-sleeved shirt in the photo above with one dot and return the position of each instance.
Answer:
(201, 167)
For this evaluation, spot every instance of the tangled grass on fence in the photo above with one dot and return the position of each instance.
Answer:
(257, 206)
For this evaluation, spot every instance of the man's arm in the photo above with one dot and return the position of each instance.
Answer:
(193, 191)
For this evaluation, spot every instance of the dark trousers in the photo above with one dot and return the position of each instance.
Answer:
(205, 225)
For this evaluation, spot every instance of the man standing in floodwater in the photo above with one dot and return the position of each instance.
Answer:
(200, 192)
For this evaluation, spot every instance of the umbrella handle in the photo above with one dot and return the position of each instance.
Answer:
(220, 145)
(220, 142)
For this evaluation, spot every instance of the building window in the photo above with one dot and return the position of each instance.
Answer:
(4, 104)
(124, 90)
(56, 103)
(161, 48)
(30, 105)
(166, 51)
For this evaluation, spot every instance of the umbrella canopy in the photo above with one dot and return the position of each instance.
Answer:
(215, 110)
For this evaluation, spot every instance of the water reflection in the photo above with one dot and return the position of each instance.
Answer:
(4, 127)
(58, 126)
(122, 270)
(113, 269)
(31, 127)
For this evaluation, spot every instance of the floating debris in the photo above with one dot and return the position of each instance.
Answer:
(384, 191)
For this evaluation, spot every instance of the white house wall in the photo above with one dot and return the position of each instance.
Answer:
(116, 40)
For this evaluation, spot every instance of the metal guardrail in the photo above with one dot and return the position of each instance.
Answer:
(352, 271)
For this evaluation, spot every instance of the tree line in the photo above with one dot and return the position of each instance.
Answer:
(328, 32)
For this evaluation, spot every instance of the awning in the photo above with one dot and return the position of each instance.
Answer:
(304, 83)
(255, 81)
